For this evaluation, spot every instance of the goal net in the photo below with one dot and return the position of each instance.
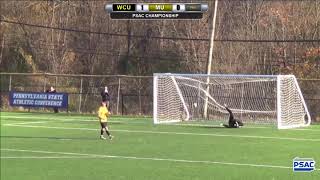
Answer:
(258, 99)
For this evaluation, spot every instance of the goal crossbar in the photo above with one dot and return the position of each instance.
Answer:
(264, 99)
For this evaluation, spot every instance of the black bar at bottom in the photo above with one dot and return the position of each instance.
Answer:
(156, 15)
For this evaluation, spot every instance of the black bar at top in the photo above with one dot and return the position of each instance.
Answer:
(156, 15)
(124, 7)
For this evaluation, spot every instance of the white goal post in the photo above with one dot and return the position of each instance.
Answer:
(258, 99)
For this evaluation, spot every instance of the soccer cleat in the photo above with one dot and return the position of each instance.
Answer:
(102, 137)
(111, 137)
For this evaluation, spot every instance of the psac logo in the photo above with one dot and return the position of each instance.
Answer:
(303, 164)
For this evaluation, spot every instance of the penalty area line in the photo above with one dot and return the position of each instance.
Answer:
(32, 122)
(118, 120)
(46, 157)
(174, 133)
(84, 155)
(58, 119)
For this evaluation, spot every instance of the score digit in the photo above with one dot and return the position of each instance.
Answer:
(142, 7)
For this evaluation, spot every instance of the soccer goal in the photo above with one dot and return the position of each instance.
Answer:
(257, 99)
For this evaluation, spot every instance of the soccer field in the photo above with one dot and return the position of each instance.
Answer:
(40, 146)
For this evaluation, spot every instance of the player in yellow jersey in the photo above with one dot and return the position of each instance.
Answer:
(103, 114)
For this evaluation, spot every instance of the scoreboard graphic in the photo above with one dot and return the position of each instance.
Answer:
(156, 10)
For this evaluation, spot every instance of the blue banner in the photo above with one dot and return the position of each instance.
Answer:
(36, 99)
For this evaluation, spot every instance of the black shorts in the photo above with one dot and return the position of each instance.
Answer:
(103, 124)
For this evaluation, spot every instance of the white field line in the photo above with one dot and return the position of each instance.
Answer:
(112, 121)
(174, 133)
(132, 122)
(80, 119)
(50, 118)
(47, 157)
(302, 129)
(39, 122)
(31, 122)
(58, 117)
(70, 120)
(67, 120)
(149, 158)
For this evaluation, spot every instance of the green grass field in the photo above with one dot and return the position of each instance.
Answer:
(39, 146)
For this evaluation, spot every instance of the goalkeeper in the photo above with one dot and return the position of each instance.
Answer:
(233, 123)
(103, 114)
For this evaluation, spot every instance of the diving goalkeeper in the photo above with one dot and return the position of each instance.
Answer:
(103, 114)
(233, 123)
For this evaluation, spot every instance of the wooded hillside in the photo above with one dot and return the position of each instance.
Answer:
(254, 36)
(78, 37)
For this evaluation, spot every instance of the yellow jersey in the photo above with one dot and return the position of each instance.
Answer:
(103, 114)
